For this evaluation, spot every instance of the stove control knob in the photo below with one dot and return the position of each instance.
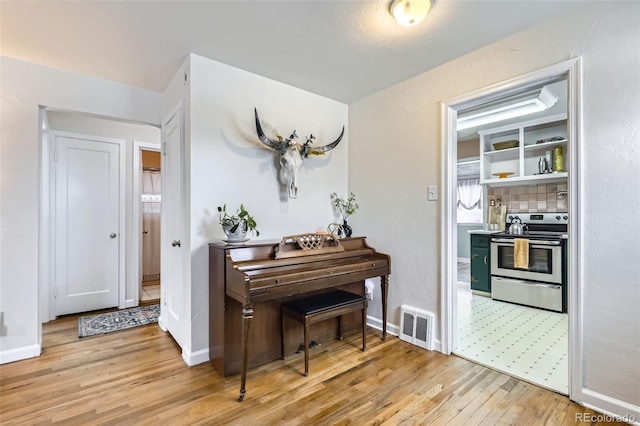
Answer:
(565, 217)
(558, 217)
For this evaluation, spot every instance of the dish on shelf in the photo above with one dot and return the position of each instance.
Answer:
(552, 139)
(503, 175)
(506, 145)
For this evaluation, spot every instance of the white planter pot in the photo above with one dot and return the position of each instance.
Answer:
(240, 233)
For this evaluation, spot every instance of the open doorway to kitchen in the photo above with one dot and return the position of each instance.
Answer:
(512, 328)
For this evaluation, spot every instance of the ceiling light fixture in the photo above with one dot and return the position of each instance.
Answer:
(410, 12)
(526, 103)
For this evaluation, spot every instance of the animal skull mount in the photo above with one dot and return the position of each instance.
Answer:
(292, 153)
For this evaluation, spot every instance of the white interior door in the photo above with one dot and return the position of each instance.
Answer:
(171, 252)
(87, 224)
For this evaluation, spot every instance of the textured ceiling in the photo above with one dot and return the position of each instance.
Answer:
(344, 50)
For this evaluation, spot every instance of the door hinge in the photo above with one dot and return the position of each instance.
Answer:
(55, 153)
(55, 292)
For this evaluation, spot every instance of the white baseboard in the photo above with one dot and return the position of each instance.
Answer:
(162, 323)
(18, 354)
(614, 408)
(130, 303)
(377, 324)
(195, 358)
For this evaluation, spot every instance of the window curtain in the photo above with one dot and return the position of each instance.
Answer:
(151, 199)
(469, 194)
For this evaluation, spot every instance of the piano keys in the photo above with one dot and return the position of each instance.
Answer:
(248, 282)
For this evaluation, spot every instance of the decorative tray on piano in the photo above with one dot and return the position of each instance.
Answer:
(307, 245)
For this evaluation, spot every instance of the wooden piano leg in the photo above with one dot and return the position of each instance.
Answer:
(384, 287)
(247, 318)
(364, 326)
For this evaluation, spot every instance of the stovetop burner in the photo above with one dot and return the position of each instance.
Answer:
(540, 225)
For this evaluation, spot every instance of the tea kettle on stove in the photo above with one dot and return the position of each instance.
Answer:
(516, 228)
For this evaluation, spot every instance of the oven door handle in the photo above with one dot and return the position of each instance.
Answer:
(537, 284)
(531, 242)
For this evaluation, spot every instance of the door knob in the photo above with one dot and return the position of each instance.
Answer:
(175, 243)
(112, 235)
(146, 231)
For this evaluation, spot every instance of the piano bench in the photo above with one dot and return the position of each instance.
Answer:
(313, 309)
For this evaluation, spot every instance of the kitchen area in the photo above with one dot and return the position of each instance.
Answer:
(512, 286)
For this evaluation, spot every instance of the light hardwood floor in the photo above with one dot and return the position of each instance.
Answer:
(137, 376)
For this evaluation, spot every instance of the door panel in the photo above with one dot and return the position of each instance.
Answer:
(171, 254)
(87, 205)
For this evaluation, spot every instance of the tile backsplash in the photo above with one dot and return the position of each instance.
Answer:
(550, 197)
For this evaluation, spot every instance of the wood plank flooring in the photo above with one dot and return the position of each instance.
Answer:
(137, 377)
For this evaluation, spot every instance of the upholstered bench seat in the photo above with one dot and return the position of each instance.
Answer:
(319, 307)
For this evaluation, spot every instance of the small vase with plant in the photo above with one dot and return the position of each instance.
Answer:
(237, 225)
(346, 207)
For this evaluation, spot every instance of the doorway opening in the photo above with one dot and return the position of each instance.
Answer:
(75, 167)
(476, 325)
(150, 199)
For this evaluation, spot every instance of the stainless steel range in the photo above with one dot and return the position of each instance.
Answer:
(542, 283)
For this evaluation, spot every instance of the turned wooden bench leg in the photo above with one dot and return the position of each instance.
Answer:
(364, 326)
(282, 339)
(306, 346)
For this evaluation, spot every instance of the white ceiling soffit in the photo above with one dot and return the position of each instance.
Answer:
(344, 50)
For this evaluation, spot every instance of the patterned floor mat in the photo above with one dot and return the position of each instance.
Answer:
(119, 320)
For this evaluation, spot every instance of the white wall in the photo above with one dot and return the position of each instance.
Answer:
(395, 154)
(129, 132)
(24, 87)
(229, 165)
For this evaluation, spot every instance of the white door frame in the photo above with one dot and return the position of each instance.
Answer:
(135, 275)
(573, 70)
(47, 307)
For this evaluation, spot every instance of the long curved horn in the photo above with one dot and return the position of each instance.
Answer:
(271, 143)
(322, 149)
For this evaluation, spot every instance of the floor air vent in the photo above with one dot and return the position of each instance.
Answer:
(416, 327)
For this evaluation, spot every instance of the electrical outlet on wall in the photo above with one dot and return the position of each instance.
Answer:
(433, 193)
(3, 328)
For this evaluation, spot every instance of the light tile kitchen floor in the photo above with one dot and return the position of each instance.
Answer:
(528, 343)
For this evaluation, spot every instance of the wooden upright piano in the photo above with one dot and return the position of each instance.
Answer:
(248, 282)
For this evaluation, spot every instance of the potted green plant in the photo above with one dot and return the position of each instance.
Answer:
(237, 225)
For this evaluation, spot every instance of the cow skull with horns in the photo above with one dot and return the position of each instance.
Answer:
(292, 153)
